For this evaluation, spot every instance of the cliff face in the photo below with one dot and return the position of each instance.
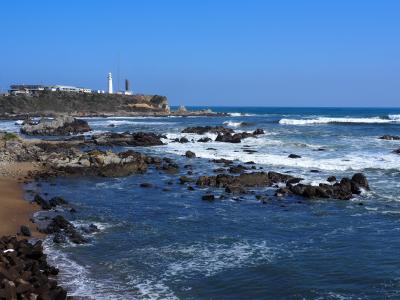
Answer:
(80, 103)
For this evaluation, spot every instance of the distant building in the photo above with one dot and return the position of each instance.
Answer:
(17, 89)
(32, 89)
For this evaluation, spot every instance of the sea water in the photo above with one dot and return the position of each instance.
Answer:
(164, 242)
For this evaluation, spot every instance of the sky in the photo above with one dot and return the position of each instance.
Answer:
(210, 52)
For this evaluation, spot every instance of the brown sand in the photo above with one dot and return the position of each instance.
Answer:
(14, 210)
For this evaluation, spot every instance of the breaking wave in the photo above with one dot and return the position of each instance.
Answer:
(342, 120)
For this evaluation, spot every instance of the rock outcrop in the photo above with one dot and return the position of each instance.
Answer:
(24, 272)
(97, 163)
(128, 139)
(390, 137)
(58, 126)
(208, 129)
(343, 190)
(50, 103)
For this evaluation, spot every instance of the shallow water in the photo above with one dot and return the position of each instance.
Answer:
(157, 244)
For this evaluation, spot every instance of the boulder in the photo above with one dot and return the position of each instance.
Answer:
(294, 156)
(24, 272)
(258, 131)
(190, 154)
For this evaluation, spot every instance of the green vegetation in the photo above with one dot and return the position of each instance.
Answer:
(8, 136)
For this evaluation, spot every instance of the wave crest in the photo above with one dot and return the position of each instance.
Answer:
(341, 120)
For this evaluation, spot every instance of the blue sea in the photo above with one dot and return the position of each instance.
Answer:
(164, 242)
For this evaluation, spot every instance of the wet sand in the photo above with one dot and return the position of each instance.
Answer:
(14, 209)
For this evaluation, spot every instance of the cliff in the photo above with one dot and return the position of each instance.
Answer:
(82, 104)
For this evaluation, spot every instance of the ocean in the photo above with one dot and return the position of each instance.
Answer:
(164, 242)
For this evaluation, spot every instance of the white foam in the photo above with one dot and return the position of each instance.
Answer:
(125, 122)
(210, 258)
(358, 159)
(326, 120)
(236, 114)
(394, 117)
(232, 124)
(77, 280)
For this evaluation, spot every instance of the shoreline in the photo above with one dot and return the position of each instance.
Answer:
(15, 211)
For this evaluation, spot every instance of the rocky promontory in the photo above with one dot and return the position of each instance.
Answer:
(47, 103)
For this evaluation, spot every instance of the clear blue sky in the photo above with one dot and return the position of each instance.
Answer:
(261, 53)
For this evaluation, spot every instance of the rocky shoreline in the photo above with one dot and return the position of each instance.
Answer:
(84, 156)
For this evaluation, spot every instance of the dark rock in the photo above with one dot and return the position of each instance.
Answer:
(397, 151)
(190, 154)
(24, 272)
(390, 137)
(205, 129)
(331, 179)
(89, 229)
(237, 169)
(222, 161)
(208, 197)
(56, 201)
(136, 139)
(250, 151)
(44, 204)
(361, 180)
(294, 156)
(185, 179)
(258, 131)
(204, 140)
(146, 185)
(25, 231)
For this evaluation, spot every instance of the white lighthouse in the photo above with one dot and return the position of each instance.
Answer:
(110, 85)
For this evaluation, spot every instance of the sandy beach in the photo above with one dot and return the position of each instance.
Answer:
(14, 209)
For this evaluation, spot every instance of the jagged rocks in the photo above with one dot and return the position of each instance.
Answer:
(99, 163)
(206, 129)
(59, 126)
(343, 190)
(204, 140)
(255, 179)
(237, 137)
(62, 229)
(128, 139)
(24, 272)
